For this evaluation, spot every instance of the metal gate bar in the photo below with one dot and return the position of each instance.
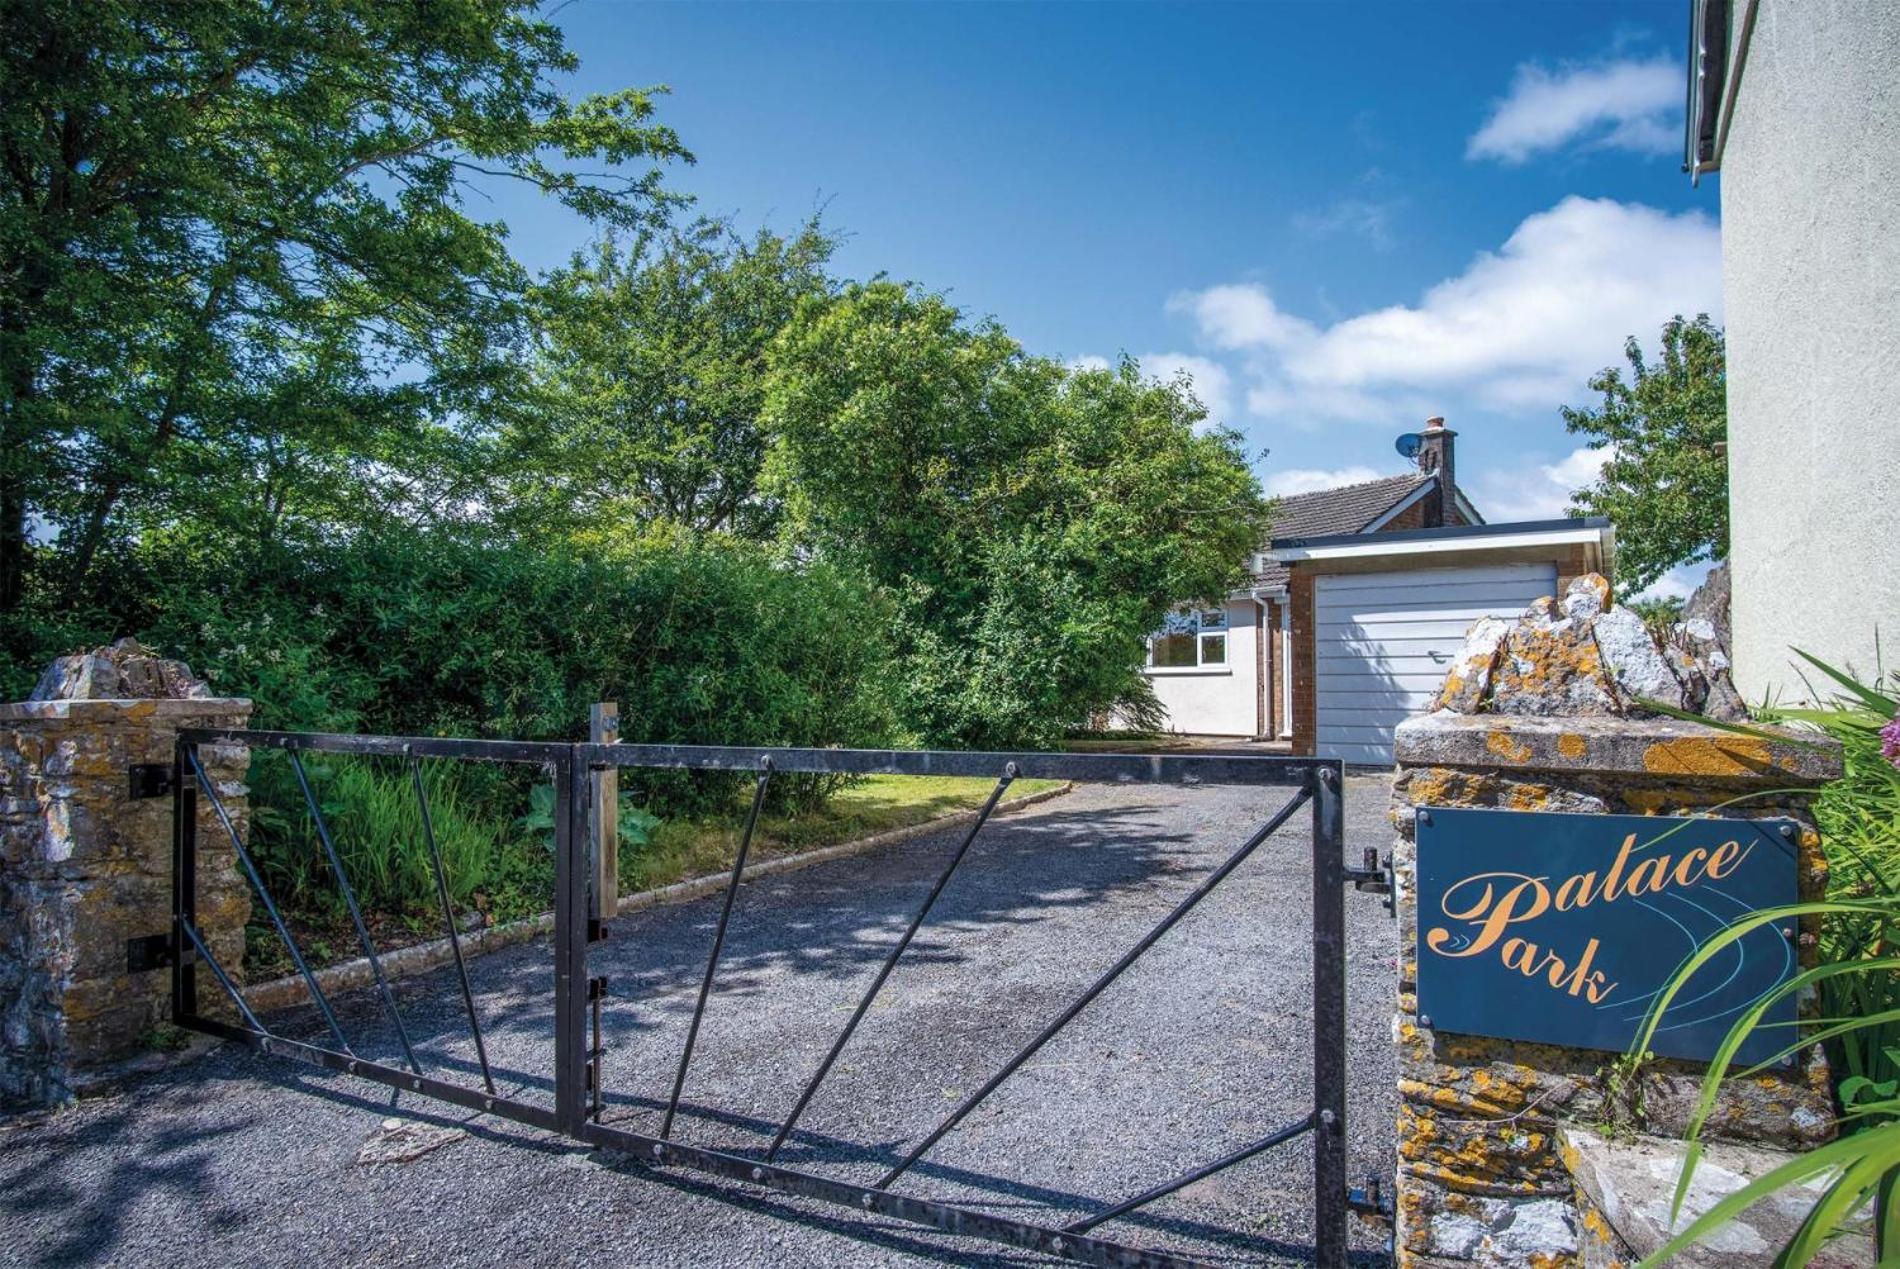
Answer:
(718, 945)
(1100, 985)
(356, 912)
(890, 962)
(577, 1065)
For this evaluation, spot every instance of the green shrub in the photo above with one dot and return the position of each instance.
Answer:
(701, 642)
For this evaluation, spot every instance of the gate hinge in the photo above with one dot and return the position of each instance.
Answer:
(1374, 877)
(149, 779)
(1370, 1202)
(152, 951)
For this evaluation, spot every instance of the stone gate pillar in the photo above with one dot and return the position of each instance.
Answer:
(85, 866)
(1541, 715)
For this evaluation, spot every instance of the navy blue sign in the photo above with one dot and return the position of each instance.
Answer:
(1562, 929)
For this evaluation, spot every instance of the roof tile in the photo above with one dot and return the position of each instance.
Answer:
(1347, 509)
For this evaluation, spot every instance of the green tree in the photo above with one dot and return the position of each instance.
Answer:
(234, 234)
(1665, 481)
(650, 370)
(1031, 523)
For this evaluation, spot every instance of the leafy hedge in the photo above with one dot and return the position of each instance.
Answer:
(433, 633)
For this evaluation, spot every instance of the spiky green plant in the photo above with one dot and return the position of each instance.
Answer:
(1856, 983)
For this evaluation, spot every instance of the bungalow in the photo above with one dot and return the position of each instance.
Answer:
(1355, 607)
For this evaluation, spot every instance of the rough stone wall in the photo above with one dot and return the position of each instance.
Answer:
(83, 868)
(1539, 719)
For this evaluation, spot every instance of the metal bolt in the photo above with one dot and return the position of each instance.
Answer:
(488, 1103)
(1009, 770)
(659, 1151)
(1787, 831)
(758, 1174)
(1057, 1246)
(868, 1199)
(416, 1084)
(1424, 1020)
(1787, 931)
(1424, 816)
(1328, 1118)
(350, 1066)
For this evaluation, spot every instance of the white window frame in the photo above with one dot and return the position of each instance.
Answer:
(1203, 624)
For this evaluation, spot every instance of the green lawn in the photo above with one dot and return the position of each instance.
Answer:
(691, 848)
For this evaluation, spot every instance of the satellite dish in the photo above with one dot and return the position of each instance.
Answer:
(1409, 444)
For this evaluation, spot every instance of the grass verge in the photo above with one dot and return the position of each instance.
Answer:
(523, 875)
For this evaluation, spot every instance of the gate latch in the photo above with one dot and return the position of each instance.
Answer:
(1374, 877)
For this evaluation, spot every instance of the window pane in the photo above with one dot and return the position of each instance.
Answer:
(1173, 651)
(1178, 622)
(1214, 619)
(1213, 649)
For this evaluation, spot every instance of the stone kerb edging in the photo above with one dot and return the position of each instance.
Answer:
(421, 958)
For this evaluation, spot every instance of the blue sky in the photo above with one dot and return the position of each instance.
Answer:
(1337, 218)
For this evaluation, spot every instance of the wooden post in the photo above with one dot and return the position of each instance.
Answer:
(603, 728)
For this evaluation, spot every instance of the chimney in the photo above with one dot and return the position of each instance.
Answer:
(1435, 456)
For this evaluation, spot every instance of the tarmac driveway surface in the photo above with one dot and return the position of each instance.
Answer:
(1204, 1046)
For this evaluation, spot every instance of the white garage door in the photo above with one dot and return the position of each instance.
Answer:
(1384, 641)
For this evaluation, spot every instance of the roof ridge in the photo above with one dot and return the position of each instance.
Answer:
(1361, 484)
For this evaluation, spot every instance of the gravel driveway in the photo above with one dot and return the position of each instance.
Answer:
(235, 1158)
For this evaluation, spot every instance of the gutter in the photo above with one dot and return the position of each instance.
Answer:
(1482, 537)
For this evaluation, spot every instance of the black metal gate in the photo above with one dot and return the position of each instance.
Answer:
(575, 1108)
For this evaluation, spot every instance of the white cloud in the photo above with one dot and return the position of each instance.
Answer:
(1366, 218)
(1299, 480)
(1241, 315)
(1536, 491)
(1089, 362)
(1627, 104)
(1209, 380)
(1521, 329)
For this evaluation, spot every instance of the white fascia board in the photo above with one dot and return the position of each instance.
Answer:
(1439, 546)
(1465, 509)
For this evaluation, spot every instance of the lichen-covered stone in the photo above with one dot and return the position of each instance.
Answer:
(1630, 1186)
(1469, 679)
(1709, 606)
(1636, 665)
(1572, 749)
(1586, 596)
(1551, 666)
(86, 868)
(1481, 1176)
(126, 670)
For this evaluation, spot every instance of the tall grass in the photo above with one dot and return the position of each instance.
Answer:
(375, 820)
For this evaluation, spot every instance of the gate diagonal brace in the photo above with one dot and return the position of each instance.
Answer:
(579, 1052)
